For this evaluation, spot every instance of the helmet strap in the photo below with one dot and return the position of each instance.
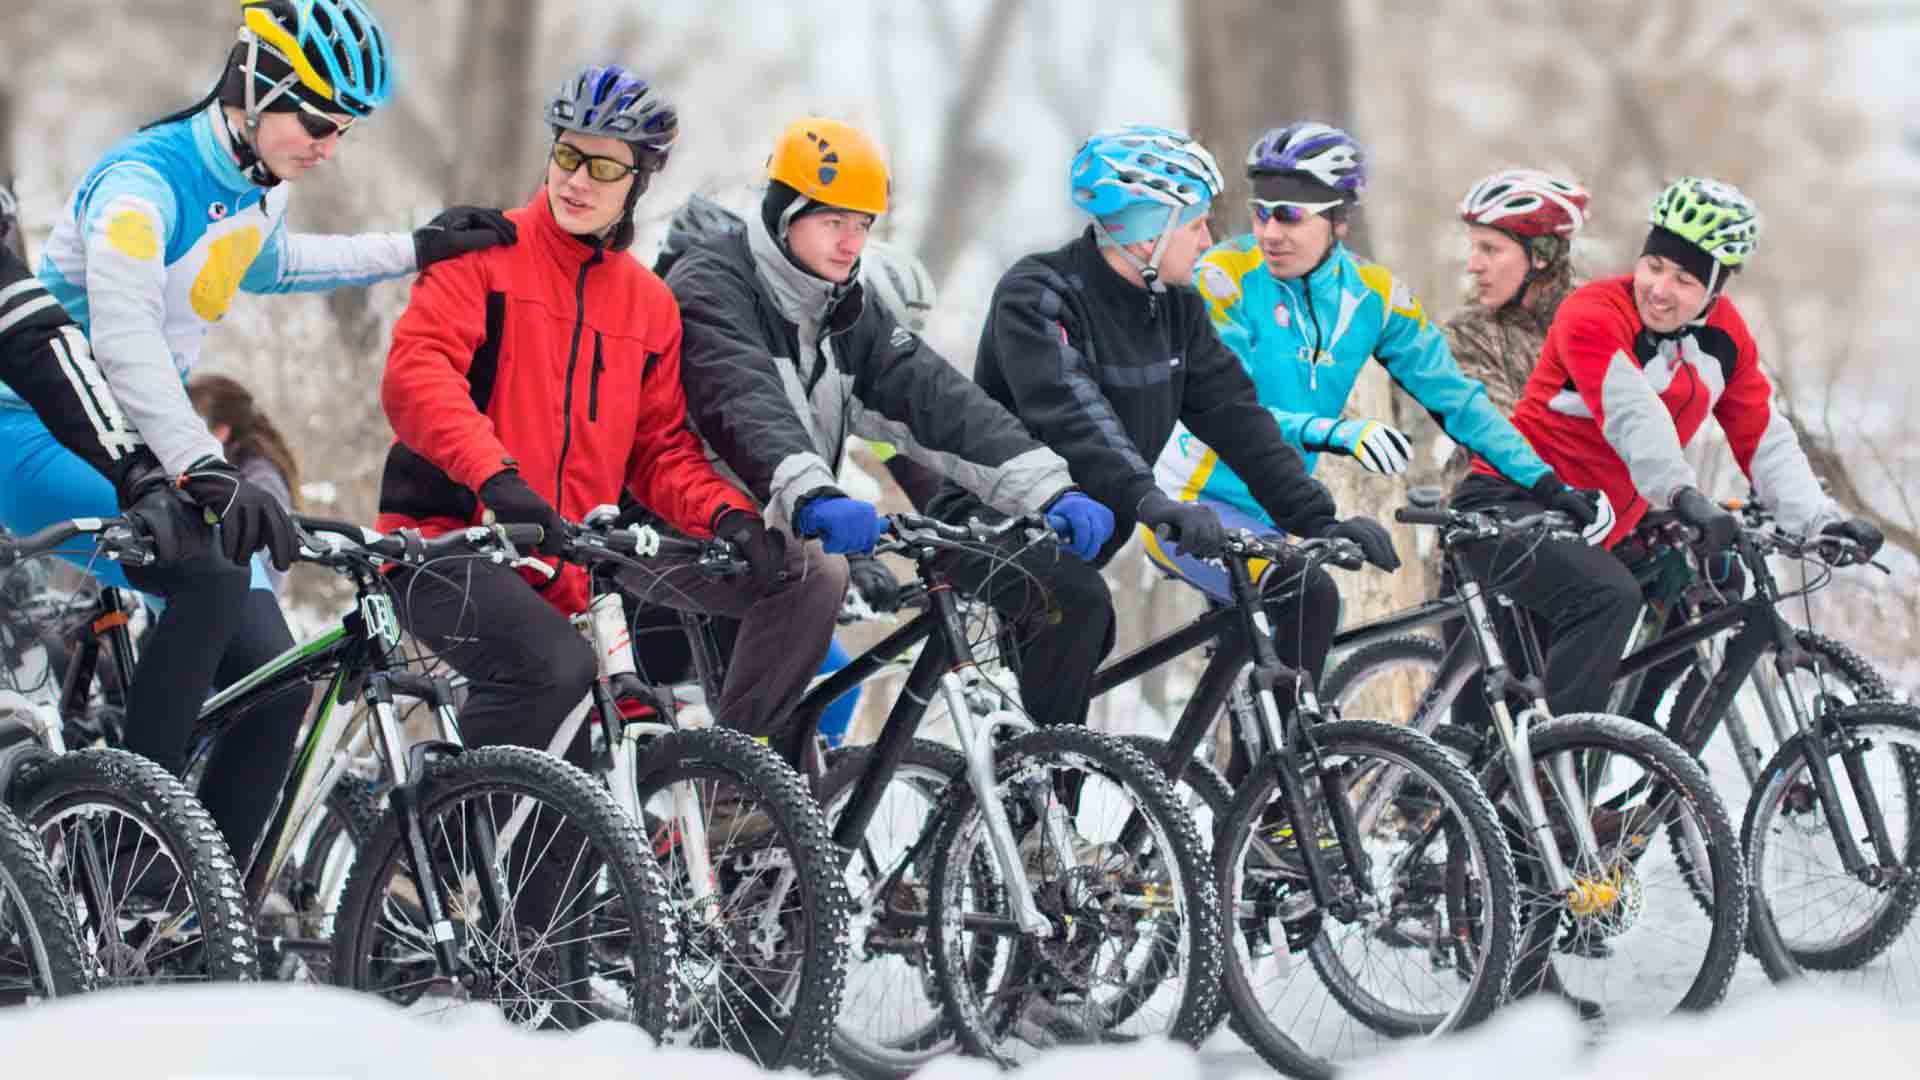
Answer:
(246, 148)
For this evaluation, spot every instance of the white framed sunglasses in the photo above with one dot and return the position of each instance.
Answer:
(1289, 212)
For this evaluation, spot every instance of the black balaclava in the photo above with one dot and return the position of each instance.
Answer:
(781, 207)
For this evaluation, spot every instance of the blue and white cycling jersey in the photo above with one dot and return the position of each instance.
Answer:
(150, 251)
(1304, 343)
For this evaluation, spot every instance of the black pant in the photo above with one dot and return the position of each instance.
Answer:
(215, 630)
(1061, 613)
(526, 666)
(1587, 598)
(1727, 575)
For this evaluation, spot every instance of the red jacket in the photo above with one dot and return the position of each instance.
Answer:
(553, 356)
(1611, 406)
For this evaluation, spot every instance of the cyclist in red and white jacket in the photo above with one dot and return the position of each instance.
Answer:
(1631, 368)
(542, 379)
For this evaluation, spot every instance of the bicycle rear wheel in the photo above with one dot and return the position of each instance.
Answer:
(158, 895)
(1124, 914)
(762, 960)
(39, 950)
(554, 906)
(1811, 917)
(1413, 959)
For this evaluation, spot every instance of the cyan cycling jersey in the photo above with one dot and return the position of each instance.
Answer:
(150, 251)
(1304, 342)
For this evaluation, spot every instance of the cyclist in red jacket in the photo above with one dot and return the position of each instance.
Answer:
(1632, 367)
(539, 381)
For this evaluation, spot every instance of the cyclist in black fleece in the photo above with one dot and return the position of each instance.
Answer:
(1100, 346)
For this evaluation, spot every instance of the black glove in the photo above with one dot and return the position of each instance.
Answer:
(1374, 540)
(877, 585)
(1194, 527)
(1860, 531)
(514, 503)
(1576, 504)
(175, 526)
(458, 230)
(1717, 526)
(249, 518)
(764, 549)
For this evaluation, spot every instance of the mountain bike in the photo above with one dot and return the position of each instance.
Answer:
(1360, 844)
(1614, 921)
(758, 902)
(474, 885)
(1833, 921)
(156, 888)
(1036, 886)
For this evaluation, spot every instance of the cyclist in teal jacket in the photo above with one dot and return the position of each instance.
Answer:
(1304, 315)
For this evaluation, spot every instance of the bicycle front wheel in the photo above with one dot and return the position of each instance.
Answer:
(1812, 916)
(157, 895)
(39, 948)
(1120, 875)
(762, 959)
(1638, 933)
(1425, 949)
(556, 912)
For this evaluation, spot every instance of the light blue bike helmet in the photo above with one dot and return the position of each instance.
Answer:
(1141, 182)
(332, 54)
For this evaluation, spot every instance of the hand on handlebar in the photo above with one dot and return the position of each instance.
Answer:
(1085, 524)
(1371, 537)
(874, 582)
(1861, 531)
(764, 549)
(1196, 528)
(512, 502)
(1717, 527)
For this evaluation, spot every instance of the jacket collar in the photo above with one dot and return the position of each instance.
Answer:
(565, 249)
(802, 299)
(210, 142)
(1101, 279)
(1320, 279)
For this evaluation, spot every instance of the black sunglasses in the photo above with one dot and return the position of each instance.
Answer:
(319, 125)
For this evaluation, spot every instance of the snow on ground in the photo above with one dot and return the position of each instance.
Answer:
(311, 1032)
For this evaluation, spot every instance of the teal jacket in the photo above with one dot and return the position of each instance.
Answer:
(1304, 343)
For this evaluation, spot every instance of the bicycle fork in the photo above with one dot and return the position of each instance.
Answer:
(976, 746)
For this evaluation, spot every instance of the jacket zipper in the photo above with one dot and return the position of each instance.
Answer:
(593, 387)
(573, 356)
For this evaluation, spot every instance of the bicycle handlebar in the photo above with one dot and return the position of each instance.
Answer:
(116, 537)
(1333, 551)
(916, 535)
(408, 545)
(1464, 526)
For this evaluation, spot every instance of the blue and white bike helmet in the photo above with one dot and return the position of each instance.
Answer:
(1140, 183)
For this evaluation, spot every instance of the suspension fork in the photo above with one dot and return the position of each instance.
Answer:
(408, 787)
(976, 746)
(1514, 733)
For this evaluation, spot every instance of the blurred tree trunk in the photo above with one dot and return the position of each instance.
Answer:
(1246, 74)
(491, 164)
(17, 241)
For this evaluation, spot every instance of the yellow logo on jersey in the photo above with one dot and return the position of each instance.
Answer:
(227, 261)
(131, 234)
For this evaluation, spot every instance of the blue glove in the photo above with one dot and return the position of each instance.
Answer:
(845, 526)
(1086, 523)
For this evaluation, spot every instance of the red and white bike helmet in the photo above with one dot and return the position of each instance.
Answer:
(1542, 212)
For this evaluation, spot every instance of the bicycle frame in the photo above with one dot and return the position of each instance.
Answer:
(946, 665)
(1241, 634)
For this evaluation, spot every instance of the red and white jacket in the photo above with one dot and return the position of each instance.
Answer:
(1611, 406)
(553, 356)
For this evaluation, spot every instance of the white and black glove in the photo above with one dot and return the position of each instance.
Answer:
(1378, 447)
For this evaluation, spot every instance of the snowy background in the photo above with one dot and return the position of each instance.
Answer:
(1808, 106)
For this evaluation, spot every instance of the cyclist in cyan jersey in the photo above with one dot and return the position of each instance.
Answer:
(1304, 315)
(1102, 350)
(147, 256)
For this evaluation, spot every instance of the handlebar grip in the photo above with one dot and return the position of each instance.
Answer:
(1420, 515)
(524, 534)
